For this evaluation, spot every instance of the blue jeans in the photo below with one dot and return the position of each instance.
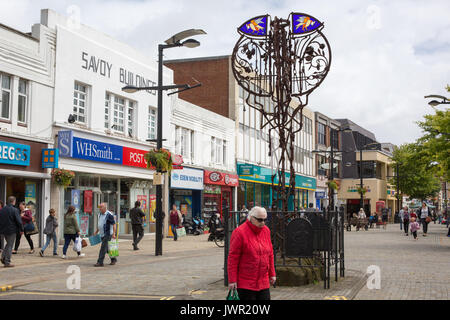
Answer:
(47, 243)
(174, 231)
(67, 239)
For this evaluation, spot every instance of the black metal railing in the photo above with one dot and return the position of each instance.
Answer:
(300, 234)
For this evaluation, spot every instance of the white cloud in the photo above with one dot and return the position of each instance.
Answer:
(387, 55)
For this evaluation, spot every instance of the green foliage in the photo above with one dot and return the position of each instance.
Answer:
(159, 159)
(332, 185)
(416, 179)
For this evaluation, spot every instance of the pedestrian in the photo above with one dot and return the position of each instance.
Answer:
(243, 214)
(384, 212)
(400, 216)
(434, 216)
(51, 223)
(425, 217)
(250, 260)
(71, 231)
(414, 225)
(10, 226)
(2, 238)
(137, 222)
(405, 219)
(439, 216)
(27, 218)
(105, 221)
(175, 221)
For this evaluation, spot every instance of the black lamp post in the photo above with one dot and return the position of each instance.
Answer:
(174, 41)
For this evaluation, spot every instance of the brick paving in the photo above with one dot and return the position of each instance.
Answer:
(192, 268)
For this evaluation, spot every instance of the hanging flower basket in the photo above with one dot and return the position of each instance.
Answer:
(62, 177)
(161, 159)
(332, 185)
(362, 190)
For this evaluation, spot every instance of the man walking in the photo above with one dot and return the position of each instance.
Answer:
(136, 215)
(10, 225)
(105, 221)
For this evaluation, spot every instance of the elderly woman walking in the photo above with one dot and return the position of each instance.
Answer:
(250, 260)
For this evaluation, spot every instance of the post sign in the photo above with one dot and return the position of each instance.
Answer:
(88, 201)
(14, 153)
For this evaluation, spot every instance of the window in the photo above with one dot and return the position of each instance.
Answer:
(5, 102)
(218, 151)
(184, 143)
(119, 114)
(151, 126)
(321, 135)
(334, 139)
(23, 101)
(80, 102)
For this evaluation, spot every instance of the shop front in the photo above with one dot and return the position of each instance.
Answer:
(255, 188)
(23, 176)
(218, 192)
(186, 186)
(114, 174)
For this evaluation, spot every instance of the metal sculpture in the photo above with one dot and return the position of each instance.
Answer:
(281, 59)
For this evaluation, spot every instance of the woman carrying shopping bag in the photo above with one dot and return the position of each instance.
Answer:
(28, 225)
(71, 231)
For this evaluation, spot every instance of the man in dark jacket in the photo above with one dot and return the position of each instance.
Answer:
(10, 225)
(136, 215)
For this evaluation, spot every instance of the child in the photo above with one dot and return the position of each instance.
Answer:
(414, 226)
(50, 230)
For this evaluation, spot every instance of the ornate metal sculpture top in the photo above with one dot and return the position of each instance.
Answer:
(281, 59)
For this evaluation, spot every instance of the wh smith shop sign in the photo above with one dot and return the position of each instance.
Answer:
(79, 148)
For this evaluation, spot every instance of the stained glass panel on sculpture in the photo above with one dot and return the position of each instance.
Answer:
(302, 23)
(254, 27)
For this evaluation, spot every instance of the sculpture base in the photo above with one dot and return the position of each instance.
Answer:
(293, 276)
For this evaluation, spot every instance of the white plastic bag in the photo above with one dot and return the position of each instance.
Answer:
(77, 245)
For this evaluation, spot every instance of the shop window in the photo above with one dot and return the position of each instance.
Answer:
(5, 102)
(250, 195)
(23, 101)
(241, 195)
(80, 101)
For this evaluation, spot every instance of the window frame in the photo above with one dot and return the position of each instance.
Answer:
(9, 91)
(77, 106)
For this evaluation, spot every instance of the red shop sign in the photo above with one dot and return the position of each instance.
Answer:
(220, 178)
(136, 158)
(88, 201)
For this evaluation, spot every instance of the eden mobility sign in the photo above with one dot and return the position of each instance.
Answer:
(187, 178)
(80, 148)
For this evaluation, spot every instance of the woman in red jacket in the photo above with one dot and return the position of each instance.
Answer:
(250, 260)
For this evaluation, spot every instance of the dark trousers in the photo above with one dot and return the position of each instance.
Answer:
(425, 225)
(2, 241)
(174, 231)
(104, 250)
(18, 237)
(406, 226)
(7, 251)
(138, 233)
(415, 234)
(67, 239)
(245, 294)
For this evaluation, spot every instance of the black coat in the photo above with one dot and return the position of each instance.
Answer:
(419, 212)
(10, 221)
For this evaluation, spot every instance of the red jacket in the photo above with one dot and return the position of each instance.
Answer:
(250, 259)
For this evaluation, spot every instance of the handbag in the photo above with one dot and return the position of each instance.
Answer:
(83, 243)
(232, 295)
(32, 228)
(428, 219)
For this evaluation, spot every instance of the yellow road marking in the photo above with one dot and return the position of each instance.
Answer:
(4, 288)
(336, 298)
(79, 294)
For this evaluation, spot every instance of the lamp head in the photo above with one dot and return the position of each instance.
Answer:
(190, 43)
(434, 103)
(130, 89)
(183, 35)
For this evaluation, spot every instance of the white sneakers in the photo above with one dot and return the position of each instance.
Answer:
(64, 256)
(81, 255)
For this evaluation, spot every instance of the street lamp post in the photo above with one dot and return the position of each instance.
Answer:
(174, 41)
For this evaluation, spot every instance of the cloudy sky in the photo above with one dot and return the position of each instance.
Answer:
(387, 55)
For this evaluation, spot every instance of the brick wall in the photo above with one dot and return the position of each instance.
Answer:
(214, 77)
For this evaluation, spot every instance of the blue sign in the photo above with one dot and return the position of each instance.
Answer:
(74, 147)
(303, 23)
(96, 151)
(65, 143)
(13, 153)
(320, 195)
(255, 27)
(50, 158)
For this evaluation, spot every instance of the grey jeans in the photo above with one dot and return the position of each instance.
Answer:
(7, 251)
(104, 250)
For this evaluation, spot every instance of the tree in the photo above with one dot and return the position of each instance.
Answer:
(415, 177)
(436, 141)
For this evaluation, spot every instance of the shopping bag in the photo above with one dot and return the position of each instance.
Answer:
(232, 295)
(181, 232)
(77, 244)
(94, 240)
(113, 248)
(33, 229)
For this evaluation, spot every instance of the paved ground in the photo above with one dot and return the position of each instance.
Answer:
(192, 269)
